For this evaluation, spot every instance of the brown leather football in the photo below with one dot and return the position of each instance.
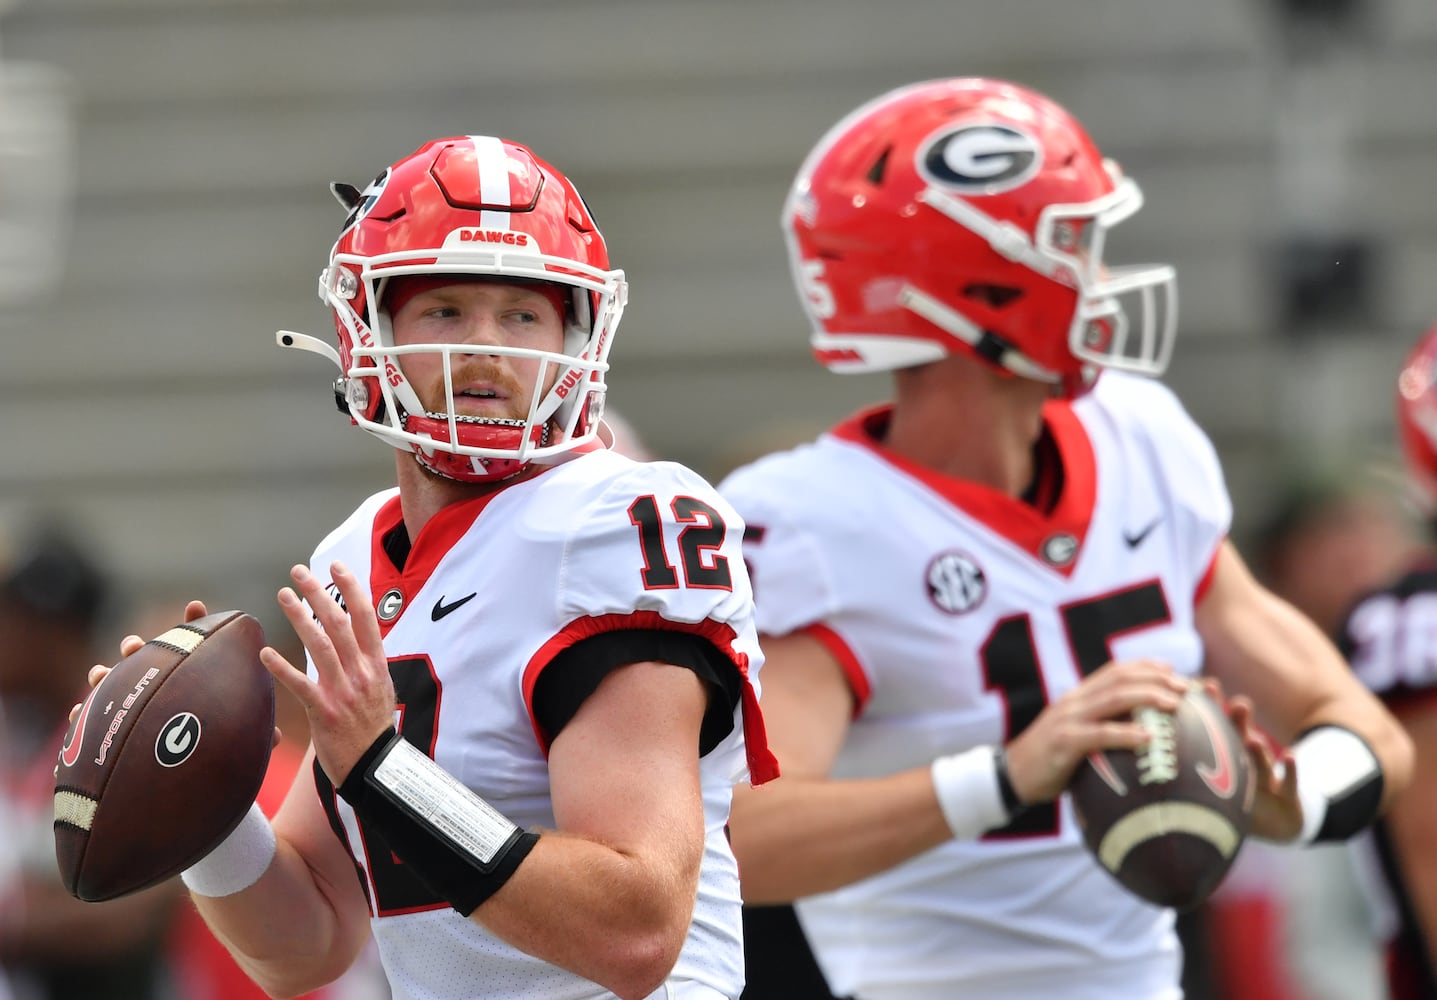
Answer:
(1167, 820)
(164, 757)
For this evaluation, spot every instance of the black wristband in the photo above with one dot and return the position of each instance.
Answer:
(1011, 802)
(454, 842)
(352, 791)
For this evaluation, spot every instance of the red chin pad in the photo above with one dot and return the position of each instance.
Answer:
(400, 290)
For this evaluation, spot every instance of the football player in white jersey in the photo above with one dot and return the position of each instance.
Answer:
(532, 665)
(1390, 637)
(962, 590)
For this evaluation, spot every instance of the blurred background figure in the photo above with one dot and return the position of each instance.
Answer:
(627, 440)
(1332, 536)
(1294, 925)
(55, 597)
(1391, 639)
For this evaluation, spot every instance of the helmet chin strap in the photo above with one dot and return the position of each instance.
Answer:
(989, 347)
(1005, 238)
(438, 472)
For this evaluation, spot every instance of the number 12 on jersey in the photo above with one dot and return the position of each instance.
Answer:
(698, 543)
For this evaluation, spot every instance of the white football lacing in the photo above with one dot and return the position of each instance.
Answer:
(1158, 761)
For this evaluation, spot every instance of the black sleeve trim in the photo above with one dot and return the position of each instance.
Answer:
(328, 795)
(575, 674)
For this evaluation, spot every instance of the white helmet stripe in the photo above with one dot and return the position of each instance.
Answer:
(493, 179)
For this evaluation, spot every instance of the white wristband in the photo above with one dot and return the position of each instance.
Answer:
(1331, 762)
(968, 792)
(1314, 807)
(239, 860)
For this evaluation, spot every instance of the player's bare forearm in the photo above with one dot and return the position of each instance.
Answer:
(610, 895)
(615, 917)
(805, 833)
(1260, 646)
(798, 836)
(291, 931)
(306, 918)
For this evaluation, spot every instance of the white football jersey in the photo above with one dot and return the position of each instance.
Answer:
(958, 613)
(492, 590)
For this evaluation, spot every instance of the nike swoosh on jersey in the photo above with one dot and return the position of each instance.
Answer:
(1136, 538)
(441, 609)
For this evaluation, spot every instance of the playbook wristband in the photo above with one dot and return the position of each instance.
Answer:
(1339, 783)
(458, 845)
(974, 791)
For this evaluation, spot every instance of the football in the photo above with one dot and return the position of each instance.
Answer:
(1167, 820)
(164, 757)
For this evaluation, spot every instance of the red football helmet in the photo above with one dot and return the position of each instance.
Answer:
(474, 206)
(1417, 417)
(970, 214)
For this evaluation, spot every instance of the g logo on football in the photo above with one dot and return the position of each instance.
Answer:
(177, 740)
(980, 159)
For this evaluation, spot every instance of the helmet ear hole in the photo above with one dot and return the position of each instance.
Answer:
(992, 296)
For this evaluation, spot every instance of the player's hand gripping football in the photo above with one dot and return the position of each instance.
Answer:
(352, 700)
(1093, 716)
(1277, 810)
(131, 644)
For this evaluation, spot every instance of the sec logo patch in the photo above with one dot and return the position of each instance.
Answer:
(956, 583)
